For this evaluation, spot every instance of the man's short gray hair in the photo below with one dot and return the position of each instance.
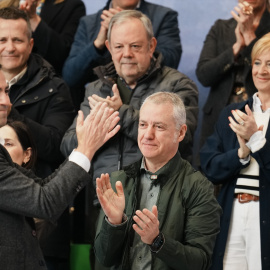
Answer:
(179, 111)
(126, 15)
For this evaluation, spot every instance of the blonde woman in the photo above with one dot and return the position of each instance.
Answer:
(237, 156)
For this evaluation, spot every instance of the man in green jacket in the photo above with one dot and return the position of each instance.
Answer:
(162, 213)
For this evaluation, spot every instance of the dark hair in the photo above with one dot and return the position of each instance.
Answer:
(13, 13)
(26, 140)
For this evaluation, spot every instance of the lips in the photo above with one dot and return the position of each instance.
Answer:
(262, 79)
(9, 56)
(128, 63)
(149, 145)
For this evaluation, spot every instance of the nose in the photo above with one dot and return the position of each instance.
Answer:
(4, 99)
(149, 133)
(10, 46)
(127, 52)
(262, 69)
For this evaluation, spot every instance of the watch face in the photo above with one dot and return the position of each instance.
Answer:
(157, 244)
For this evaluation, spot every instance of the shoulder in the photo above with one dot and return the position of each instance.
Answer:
(91, 17)
(5, 158)
(220, 23)
(127, 174)
(234, 106)
(45, 77)
(73, 4)
(195, 184)
(154, 9)
(176, 78)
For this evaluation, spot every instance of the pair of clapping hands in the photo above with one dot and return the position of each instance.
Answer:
(245, 31)
(244, 126)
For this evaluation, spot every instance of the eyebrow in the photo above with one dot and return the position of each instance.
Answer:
(154, 123)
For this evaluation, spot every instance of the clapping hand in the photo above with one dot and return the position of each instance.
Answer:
(112, 203)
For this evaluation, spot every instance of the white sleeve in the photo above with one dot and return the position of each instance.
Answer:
(256, 141)
(80, 159)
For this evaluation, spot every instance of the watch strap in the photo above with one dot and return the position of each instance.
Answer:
(157, 243)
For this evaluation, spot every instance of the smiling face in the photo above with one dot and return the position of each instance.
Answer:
(158, 137)
(13, 146)
(261, 71)
(15, 46)
(131, 50)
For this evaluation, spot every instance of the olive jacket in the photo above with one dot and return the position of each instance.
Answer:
(187, 211)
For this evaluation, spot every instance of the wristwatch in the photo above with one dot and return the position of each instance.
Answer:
(157, 243)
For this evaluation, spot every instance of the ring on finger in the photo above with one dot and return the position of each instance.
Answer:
(242, 123)
(247, 10)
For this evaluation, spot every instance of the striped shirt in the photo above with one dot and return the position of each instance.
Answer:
(248, 179)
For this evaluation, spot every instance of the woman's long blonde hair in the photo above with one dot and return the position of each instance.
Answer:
(9, 3)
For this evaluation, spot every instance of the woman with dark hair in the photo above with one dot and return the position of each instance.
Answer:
(18, 141)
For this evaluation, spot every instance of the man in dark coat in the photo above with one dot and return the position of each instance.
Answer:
(89, 51)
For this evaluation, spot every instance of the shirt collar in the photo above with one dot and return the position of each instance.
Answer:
(138, 5)
(165, 173)
(257, 104)
(17, 77)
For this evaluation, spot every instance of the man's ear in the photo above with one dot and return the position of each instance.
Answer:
(31, 42)
(182, 132)
(108, 45)
(153, 45)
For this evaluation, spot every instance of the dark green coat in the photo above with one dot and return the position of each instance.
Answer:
(188, 213)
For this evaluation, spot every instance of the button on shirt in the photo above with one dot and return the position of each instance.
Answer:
(140, 254)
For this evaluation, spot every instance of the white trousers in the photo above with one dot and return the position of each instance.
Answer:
(243, 248)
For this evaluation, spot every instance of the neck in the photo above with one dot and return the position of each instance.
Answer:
(258, 15)
(115, 5)
(153, 167)
(265, 100)
(9, 75)
(132, 85)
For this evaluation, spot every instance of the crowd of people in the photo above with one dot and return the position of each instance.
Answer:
(95, 114)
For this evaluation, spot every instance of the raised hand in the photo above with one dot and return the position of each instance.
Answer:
(102, 35)
(97, 128)
(240, 42)
(114, 102)
(113, 204)
(245, 125)
(245, 21)
(30, 7)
